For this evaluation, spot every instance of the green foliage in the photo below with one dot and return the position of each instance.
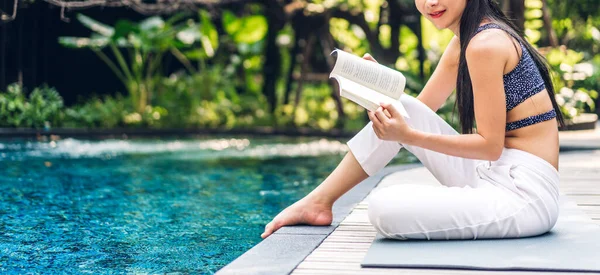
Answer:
(43, 107)
(138, 49)
(39, 110)
(575, 80)
(222, 79)
(576, 24)
(349, 35)
(151, 117)
(318, 110)
(248, 29)
(12, 104)
(106, 112)
(205, 99)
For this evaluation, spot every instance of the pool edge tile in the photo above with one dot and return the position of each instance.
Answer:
(281, 252)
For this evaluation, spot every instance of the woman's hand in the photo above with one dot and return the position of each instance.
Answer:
(368, 56)
(393, 126)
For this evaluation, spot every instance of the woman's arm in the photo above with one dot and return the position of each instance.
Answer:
(486, 58)
(443, 80)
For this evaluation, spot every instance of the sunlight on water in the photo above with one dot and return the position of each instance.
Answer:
(192, 149)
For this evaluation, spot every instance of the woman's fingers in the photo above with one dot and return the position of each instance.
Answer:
(371, 116)
(376, 124)
(374, 118)
(367, 56)
(383, 118)
(390, 110)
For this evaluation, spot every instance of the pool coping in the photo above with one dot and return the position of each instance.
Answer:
(285, 249)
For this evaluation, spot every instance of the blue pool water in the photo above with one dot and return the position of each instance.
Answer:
(149, 206)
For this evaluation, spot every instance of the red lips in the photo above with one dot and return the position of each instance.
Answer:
(437, 14)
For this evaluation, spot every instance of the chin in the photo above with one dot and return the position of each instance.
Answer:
(439, 26)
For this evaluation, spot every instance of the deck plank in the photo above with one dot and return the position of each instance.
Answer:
(345, 248)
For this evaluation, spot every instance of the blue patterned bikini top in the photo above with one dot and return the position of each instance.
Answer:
(520, 84)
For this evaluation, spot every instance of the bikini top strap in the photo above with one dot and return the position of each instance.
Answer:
(488, 26)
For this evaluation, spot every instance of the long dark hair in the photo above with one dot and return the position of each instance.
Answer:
(474, 13)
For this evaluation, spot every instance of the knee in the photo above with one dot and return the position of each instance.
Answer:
(391, 211)
(412, 104)
(409, 101)
(377, 212)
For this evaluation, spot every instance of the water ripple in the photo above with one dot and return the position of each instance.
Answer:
(184, 149)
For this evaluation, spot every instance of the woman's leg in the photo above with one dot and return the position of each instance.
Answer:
(373, 153)
(316, 207)
(474, 200)
(406, 211)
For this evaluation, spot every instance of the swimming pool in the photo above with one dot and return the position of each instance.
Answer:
(149, 205)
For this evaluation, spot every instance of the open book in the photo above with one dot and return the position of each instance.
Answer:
(367, 83)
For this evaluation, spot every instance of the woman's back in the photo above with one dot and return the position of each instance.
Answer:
(531, 124)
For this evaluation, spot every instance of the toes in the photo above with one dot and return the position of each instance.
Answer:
(268, 230)
(277, 225)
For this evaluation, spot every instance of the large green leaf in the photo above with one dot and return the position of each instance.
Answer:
(83, 42)
(189, 35)
(96, 26)
(249, 29)
(153, 23)
(155, 34)
(210, 36)
(254, 28)
(123, 28)
(231, 23)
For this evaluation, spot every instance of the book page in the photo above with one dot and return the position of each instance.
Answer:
(366, 97)
(369, 74)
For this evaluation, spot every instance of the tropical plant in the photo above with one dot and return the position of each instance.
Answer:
(139, 48)
(40, 110)
(12, 104)
(106, 112)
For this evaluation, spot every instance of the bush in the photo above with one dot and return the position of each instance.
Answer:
(108, 112)
(575, 81)
(40, 110)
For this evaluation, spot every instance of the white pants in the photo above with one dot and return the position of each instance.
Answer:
(515, 196)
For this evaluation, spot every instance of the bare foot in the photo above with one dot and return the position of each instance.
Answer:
(304, 211)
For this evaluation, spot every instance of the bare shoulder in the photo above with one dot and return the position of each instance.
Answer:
(488, 46)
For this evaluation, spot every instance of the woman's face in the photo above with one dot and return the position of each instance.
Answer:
(442, 13)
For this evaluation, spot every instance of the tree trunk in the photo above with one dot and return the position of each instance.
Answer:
(290, 76)
(271, 69)
(299, 35)
(547, 17)
(304, 68)
(395, 20)
(421, 50)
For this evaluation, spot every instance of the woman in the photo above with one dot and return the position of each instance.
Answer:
(500, 181)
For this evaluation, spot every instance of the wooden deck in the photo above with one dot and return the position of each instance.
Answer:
(344, 249)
